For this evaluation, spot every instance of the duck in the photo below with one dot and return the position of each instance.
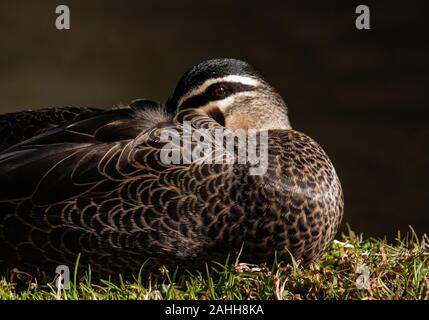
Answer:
(92, 183)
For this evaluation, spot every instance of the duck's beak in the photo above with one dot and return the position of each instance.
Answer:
(214, 112)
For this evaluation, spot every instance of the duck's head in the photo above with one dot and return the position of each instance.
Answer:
(233, 93)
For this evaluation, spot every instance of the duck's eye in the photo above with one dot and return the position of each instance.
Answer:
(218, 92)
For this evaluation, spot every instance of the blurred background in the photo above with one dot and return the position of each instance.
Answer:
(361, 94)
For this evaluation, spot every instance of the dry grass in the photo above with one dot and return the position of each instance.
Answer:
(352, 268)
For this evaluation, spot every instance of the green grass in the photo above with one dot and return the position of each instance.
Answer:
(396, 271)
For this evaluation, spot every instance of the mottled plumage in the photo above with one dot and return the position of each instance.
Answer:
(94, 184)
(19, 126)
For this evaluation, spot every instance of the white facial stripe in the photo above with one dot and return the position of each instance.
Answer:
(231, 78)
(225, 103)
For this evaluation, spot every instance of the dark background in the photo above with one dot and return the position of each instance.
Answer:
(360, 94)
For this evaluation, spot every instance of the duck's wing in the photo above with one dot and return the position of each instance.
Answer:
(73, 157)
(87, 187)
(19, 126)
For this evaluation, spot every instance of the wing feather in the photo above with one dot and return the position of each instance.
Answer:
(20, 126)
(74, 157)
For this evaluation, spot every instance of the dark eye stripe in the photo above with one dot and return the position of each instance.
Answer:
(202, 99)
